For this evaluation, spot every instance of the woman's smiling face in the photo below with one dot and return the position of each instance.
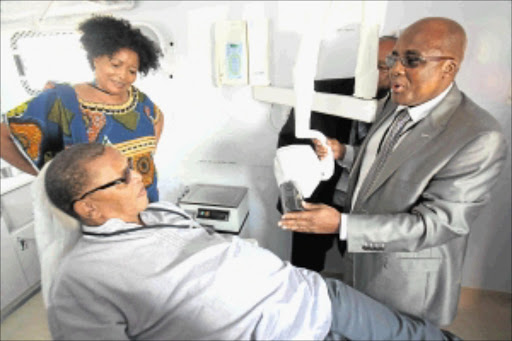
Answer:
(117, 73)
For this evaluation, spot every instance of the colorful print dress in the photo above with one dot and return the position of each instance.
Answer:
(57, 119)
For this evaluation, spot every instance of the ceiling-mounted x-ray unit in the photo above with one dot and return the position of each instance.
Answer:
(297, 169)
(324, 18)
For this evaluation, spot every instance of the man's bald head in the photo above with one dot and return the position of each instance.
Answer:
(425, 60)
(442, 34)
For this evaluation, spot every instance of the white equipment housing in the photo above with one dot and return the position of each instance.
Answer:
(224, 208)
(298, 163)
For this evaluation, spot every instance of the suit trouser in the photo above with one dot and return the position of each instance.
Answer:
(309, 250)
(356, 316)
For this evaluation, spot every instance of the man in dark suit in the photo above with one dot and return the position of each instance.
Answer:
(309, 250)
(419, 180)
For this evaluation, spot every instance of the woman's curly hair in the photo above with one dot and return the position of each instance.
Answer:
(105, 35)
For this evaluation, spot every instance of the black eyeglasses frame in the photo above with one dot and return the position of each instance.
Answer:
(412, 61)
(124, 179)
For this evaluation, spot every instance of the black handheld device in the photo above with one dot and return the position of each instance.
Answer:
(291, 198)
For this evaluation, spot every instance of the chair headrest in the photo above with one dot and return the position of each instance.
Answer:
(38, 188)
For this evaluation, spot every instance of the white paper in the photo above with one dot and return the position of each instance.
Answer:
(231, 53)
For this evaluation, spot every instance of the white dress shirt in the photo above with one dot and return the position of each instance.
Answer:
(417, 113)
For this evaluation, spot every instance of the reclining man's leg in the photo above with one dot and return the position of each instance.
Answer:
(359, 317)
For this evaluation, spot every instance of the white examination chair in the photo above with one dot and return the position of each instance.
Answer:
(55, 232)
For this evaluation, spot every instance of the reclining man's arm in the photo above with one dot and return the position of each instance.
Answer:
(94, 319)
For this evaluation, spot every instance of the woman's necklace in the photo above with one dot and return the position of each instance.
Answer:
(93, 84)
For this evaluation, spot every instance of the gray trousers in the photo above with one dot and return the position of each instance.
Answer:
(356, 316)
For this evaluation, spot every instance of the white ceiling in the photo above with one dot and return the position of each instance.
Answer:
(19, 11)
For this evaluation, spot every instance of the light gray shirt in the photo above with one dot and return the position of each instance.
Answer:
(179, 283)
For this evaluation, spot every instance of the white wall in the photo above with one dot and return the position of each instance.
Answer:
(221, 135)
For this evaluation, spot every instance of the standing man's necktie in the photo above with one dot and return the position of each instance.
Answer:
(392, 136)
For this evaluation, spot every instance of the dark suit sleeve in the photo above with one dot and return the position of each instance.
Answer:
(287, 134)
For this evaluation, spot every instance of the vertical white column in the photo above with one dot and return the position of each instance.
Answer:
(366, 73)
(304, 70)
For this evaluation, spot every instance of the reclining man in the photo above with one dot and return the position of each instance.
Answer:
(144, 271)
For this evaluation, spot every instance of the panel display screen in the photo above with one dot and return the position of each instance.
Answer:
(213, 214)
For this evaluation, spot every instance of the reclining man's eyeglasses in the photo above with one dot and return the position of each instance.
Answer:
(125, 179)
(412, 60)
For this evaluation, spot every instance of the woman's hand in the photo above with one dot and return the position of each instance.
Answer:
(49, 85)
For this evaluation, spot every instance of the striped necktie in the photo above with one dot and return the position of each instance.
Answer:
(388, 144)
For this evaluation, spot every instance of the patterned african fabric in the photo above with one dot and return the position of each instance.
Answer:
(57, 119)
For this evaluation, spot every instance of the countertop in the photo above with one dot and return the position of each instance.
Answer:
(9, 184)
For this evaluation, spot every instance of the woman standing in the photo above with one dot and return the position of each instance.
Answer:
(108, 110)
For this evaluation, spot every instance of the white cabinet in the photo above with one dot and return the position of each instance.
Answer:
(13, 281)
(26, 250)
(20, 269)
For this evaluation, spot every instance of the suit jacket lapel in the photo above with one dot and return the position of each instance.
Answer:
(387, 109)
(426, 130)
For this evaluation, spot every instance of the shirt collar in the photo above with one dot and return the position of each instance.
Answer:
(421, 111)
(110, 226)
(155, 213)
